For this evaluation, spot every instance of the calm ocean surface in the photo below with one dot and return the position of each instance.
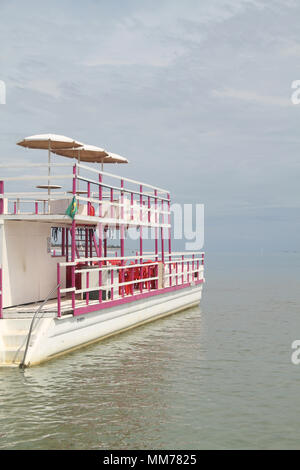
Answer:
(218, 377)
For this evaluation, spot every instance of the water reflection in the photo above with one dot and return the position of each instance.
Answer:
(217, 378)
(113, 394)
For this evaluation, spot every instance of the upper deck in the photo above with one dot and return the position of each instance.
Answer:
(102, 197)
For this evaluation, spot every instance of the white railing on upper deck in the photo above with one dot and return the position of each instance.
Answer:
(127, 202)
(20, 202)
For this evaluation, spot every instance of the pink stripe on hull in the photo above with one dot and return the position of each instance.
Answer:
(124, 300)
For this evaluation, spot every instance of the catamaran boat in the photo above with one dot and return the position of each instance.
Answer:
(60, 286)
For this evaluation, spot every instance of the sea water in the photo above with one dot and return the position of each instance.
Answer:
(215, 377)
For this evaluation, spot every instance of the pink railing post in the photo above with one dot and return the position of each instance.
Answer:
(156, 236)
(162, 233)
(193, 267)
(100, 227)
(156, 228)
(87, 285)
(100, 262)
(122, 237)
(131, 206)
(149, 210)
(58, 291)
(86, 248)
(100, 195)
(89, 195)
(73, 242)
(91, 246)
(73, 260)
(141, 238)
(188, 271)
(100, 239)
(1, 197)
(112, 281)
(148, 275)
(169, 232)
(111, 203)
(169, 222)
(131, 278)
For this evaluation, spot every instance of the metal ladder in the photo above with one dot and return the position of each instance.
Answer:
(22, 364)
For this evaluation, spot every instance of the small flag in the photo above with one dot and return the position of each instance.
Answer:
(72, 209)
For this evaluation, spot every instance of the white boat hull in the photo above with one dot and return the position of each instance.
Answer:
(55, 336)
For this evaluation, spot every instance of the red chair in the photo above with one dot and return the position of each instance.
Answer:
(146, 273)
(135, 275)
(114, 262)
(91, 210)
(153, 274)
(127, 278)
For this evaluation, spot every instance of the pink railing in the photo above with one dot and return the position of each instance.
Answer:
(123, 281)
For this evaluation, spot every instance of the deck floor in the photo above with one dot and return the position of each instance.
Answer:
(49, 310)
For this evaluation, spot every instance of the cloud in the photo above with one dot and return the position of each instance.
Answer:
(158, 37)
(251, 97)
(44, 86)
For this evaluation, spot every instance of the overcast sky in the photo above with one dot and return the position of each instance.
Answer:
(195, 93)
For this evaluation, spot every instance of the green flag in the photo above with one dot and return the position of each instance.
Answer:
(72, 209)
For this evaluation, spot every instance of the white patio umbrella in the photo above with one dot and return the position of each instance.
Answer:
(84, 153)
(114, 158)
(46, 141)
(50, 142)
(92, 154)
